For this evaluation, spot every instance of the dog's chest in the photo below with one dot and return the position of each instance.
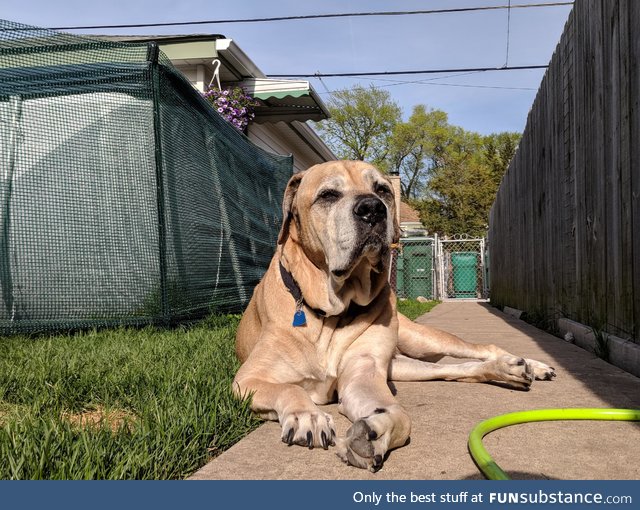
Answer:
(322, 391)
(330, 347)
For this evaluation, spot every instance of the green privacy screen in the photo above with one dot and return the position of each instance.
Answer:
(124, 197)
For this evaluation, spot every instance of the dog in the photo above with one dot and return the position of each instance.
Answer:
(322, 324)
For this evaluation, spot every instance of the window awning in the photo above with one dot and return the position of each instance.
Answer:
(285, 100)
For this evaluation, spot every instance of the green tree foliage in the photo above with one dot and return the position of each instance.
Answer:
(463, 184)
(361, 123)
(415, 148)
(450, 175)
(499, 149)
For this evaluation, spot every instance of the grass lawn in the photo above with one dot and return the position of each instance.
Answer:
(119, 404)
(414, 309)
(124, 403)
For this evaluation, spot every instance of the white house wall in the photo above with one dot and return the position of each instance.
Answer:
(273, 138)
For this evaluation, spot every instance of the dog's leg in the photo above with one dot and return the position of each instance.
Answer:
(379, 422)
(431, 344)
(513, 371)
(301, 421)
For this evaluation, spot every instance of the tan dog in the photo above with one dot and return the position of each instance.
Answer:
(331, 266)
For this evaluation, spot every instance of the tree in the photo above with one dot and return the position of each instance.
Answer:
(463, 186)
(415, 146)
(460, 197)
(361, 123)
(499, 149)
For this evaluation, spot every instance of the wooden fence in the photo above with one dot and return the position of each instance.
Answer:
(565, 227)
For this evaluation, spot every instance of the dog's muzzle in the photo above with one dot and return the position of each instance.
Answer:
(370, 222)
(370, 215)
(370, 211)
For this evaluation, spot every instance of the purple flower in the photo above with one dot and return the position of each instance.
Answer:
(233, 104)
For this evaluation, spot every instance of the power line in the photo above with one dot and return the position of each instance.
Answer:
(506, 60)
(426, 81)
(461, 85)
(317, 16)
(396, 73)
(445, 85)
(430, 81)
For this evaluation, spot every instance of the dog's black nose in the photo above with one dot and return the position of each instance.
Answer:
(370, 210)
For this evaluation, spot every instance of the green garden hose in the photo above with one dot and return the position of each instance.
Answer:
(486, 463)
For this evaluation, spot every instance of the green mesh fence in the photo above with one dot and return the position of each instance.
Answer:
(124, 197)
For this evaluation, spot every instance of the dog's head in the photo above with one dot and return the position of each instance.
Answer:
(342, 215)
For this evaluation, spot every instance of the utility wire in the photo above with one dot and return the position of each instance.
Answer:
(317, 16)
(429, 81)
(506, 60)
(467, 86)
(391, 82)
(434, 84)
(443, 85)
(396, 73)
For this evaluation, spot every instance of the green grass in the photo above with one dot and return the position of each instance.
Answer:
(119, 404)
(124, 403)
(414, 309)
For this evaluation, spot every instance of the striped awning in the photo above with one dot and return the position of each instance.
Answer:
(285, 100)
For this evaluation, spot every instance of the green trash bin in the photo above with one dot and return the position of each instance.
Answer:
(418, 268)
(465, 274)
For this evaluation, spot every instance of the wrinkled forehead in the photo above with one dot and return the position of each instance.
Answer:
(350, 176)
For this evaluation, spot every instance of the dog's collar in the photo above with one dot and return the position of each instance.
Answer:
(294, 290)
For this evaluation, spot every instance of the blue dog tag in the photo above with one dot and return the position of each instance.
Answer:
(299, 318)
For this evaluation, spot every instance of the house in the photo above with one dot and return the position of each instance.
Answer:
(410, 223)
(280, 125)
(408, 218)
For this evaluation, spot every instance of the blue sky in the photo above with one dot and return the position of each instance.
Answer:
(484, 102)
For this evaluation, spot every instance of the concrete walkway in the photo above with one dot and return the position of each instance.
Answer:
(444, 413)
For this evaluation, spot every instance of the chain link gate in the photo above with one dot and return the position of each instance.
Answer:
(442, 269)
(414, 270)
(463, 269)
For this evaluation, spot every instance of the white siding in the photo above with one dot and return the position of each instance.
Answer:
(281, 139)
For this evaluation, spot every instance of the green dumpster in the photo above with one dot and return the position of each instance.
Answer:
(465, 275)
(418, 268)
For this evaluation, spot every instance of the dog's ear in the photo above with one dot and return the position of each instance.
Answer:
(287, 205)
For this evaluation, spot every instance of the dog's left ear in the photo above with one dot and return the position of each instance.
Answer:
(287, 205)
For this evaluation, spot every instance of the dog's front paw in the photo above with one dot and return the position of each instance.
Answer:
(309, 429)
(358, 448)
(367, 441)
(541, 371)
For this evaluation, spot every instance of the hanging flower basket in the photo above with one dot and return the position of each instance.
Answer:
(234, 104)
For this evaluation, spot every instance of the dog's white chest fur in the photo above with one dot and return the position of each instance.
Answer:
(330, 346)
(336, 336)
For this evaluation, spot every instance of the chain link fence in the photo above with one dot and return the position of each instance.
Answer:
(434, 268)
(414, 268)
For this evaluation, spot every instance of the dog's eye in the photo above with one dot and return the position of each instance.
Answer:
(383, 190)
(329, 195)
